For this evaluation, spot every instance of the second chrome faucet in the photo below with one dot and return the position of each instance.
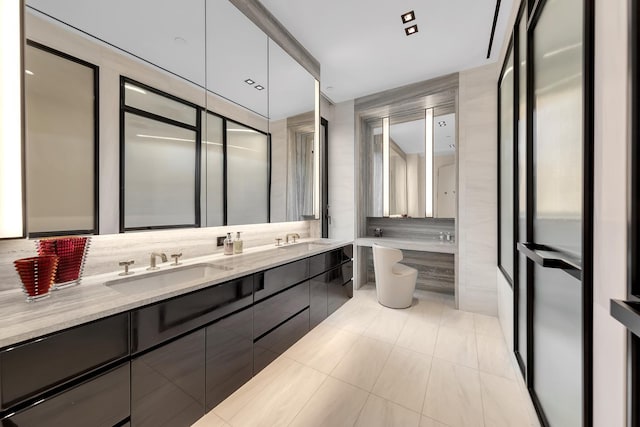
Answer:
(152, 259)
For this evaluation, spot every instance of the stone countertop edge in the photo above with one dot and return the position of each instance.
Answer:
(92, 299)
(410, 244)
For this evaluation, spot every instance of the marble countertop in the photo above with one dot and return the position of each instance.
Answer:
(93, 299)
(410, 245)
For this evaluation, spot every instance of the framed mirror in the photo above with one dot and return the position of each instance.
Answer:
(240, 93)
(413, 164)
(292, 126)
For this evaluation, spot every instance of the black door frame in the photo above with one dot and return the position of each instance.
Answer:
(324, 184)
(534, 9)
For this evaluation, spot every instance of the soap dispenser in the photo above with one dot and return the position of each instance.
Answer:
(228, 245)
(237, 244)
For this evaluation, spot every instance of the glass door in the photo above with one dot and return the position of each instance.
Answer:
(559, 212)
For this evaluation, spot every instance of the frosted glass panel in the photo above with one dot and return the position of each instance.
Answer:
(521, 345)
(213, 171)
(159, 174)
(60, 143)
(143, 99)
(507, 243)
(558, 126)
(557, 335)
(247, 175)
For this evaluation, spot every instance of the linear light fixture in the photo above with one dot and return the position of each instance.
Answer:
(428, 163)
(11, 81)
(133, 88)
(408, 17)
(316, 154)
(385, 167)
(411, 30)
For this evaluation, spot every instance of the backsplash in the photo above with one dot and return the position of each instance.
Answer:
(412, 228)
(107, 250)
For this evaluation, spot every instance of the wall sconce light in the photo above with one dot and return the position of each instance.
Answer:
(316, 154)
(428, 160)
(385, 167)
(11, 129)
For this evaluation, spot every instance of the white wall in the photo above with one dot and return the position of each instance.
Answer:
(477, 198)
(609, 356)
(341, 171)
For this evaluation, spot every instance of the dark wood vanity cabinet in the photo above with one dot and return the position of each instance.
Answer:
(168, 383)
(102, 401)
(36, 368)
(159, 322)
(229, 356)
(168, 363)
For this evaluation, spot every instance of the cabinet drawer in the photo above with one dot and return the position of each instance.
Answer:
(328, 260)
(160, 322)
(339, 294)
(34, 367)
(276, 342)
(271, 281)
(101, 402)
(168, 383)
(229, 356)
(317, 301)
(272, 311)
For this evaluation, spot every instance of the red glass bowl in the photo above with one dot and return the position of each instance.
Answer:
(37, 275)
(71, 252)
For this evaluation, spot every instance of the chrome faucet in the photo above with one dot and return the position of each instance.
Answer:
(294, 235)
(152, 260)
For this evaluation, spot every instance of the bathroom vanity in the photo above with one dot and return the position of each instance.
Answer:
(116, 351)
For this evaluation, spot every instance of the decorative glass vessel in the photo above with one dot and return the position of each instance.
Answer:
(37, 275)
(71, 252)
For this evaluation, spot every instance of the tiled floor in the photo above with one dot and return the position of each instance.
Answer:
(368, 365)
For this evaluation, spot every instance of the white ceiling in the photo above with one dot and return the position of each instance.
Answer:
(363, 49)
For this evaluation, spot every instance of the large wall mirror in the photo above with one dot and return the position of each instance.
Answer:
(413, 164)
(200, 119)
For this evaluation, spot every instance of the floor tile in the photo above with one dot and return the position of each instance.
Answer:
(387, 325)
(378, 412)
(419, 335)
(279, 402)
(428, 309)
(356, 318)
(210, 420)
(494, 357)
(323, 347)
(233, 404)
(430, 422)
(403, 379)
(457, 346)
(457, 319)
(502, 401)
(454, 395)
(488, 325)
(335, 404)
(363, 363)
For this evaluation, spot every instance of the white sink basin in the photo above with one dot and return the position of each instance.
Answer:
(168, 277)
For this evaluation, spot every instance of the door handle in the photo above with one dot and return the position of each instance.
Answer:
(549, 258)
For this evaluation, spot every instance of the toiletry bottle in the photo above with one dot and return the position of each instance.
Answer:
(228, 245)
(237, 244)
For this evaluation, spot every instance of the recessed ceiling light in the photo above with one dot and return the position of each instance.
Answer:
(249, 81)
(180, 40)
(452, 146)
(411, 30)
(259, 87)
(408, 17)
(29, 72)
(442, 123)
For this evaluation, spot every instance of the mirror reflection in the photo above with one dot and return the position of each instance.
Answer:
(230, 108)
(413, 165)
